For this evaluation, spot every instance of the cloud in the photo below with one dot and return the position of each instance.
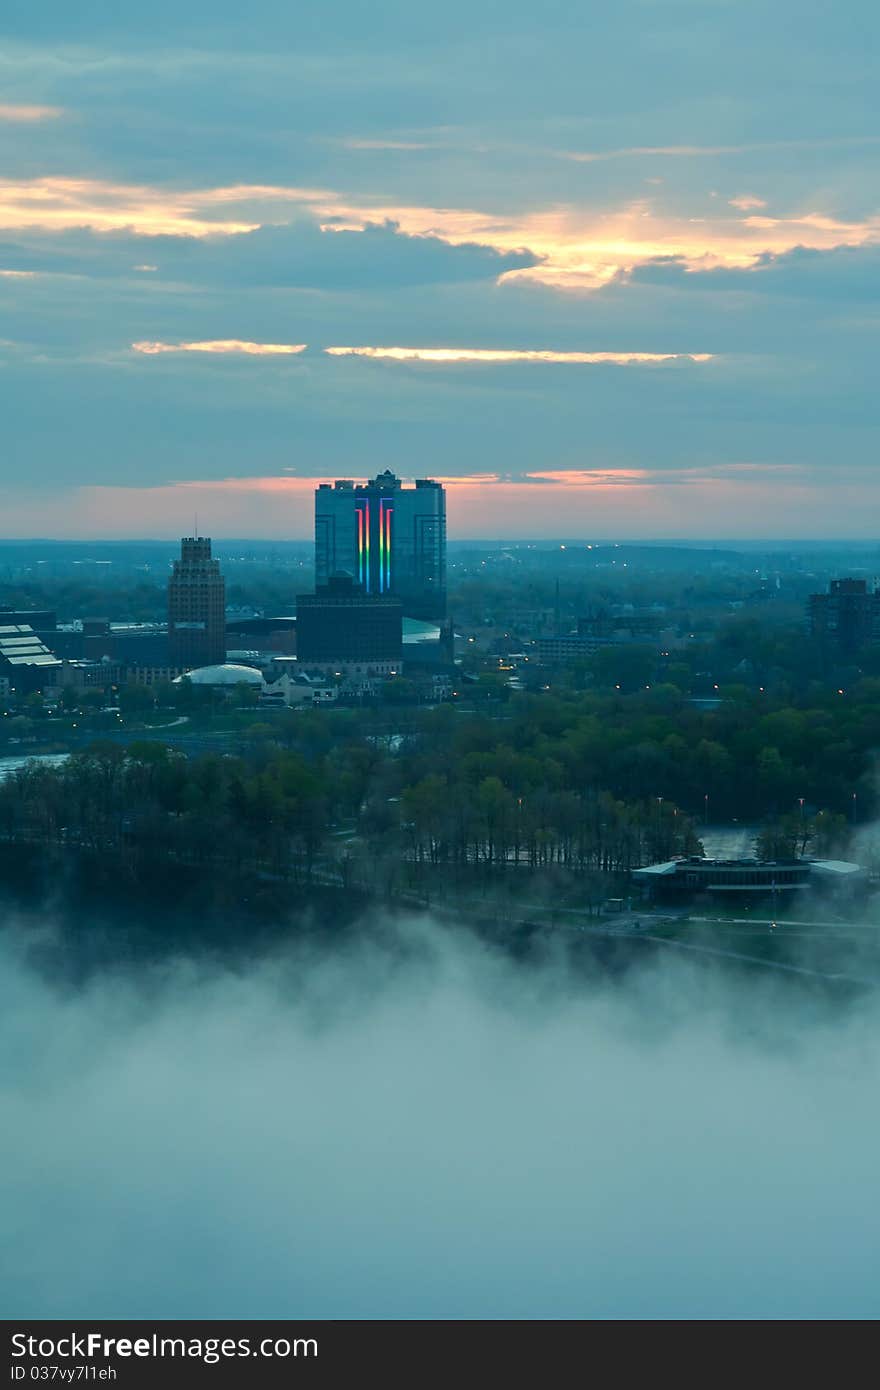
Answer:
(565, 247)
(355, 144)
(576, 248)
(27, 114)
(411, 1125)
(842, 274)
(711, 151)
(54, 203)
(222, 345)
(504, 355)
(265, 165)
(300, 254)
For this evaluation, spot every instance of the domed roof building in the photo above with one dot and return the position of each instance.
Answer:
(229, 674)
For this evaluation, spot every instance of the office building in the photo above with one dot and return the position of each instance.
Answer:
(390, 538)
(570, 647)
(342, 628)
(196, 607)
(847, 617)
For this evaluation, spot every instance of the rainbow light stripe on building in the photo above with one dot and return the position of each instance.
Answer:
(383, 547)
(388, 511)
(363, 546)
(367, 544)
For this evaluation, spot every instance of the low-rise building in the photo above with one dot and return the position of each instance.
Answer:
(750, 877)
(296, 690)
(25, 661)
(225, 676)
(573, 646)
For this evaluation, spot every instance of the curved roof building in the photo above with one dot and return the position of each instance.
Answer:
(227, 674)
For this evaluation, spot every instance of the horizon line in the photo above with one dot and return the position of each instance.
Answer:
(558, 539)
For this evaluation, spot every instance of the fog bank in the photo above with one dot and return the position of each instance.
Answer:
(435, 1134)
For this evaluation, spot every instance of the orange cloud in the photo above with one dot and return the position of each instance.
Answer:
(57, 204)
(419, 354)
(583, 248)
(223, 345)
(578, 247)
(29, 113)
(594, 477)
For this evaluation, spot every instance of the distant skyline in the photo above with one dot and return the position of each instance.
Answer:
(606, 271)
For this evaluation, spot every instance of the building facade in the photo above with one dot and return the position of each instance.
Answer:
(391, 539)
(847, 617)
(573, 646)
(341, 627)
(196, 607)
(26, 663)
(683, 878)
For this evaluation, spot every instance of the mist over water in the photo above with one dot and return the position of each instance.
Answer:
(435, 1132)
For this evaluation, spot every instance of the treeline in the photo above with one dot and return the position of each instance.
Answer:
(752, 759)
(150, 804)
(585, 783)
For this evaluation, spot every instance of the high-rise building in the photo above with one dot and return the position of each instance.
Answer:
(196, 607)
(847, 617)
(342, 626)
(391, 539)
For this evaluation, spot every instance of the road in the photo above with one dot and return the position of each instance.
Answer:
(632, 926)
(760, 960)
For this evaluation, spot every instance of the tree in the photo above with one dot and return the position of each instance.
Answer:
(627, 667)
(778, 839)
(135, 699)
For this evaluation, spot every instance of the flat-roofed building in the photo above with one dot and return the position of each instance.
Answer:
(25, 660)
(847, 617)
(749, 877)
(341, 628)
(572, 646)
(389, 537)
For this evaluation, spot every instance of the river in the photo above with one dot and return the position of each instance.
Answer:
(10, 765)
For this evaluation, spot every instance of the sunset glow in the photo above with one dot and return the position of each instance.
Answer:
(589, 503)
(302, 252)
(29, 113)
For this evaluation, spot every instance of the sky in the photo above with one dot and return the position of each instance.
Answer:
(430, 1131)
(611, 271)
